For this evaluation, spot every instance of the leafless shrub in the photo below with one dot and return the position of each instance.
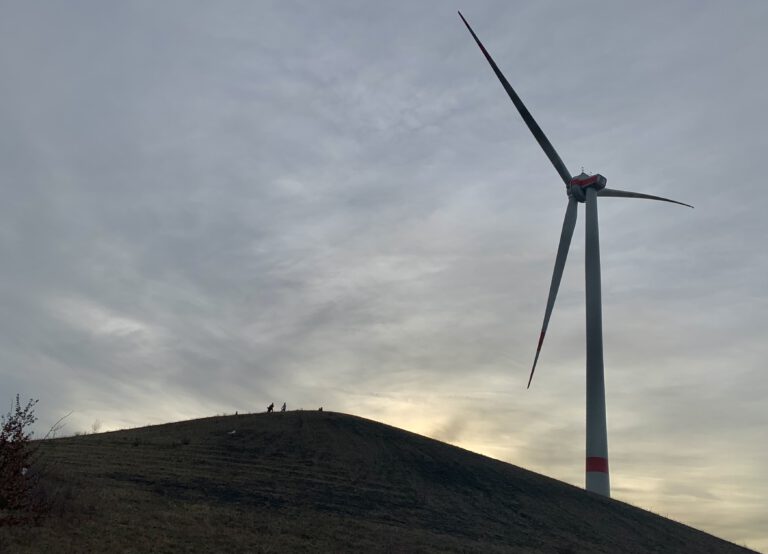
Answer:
(18, 478)
(28, 488)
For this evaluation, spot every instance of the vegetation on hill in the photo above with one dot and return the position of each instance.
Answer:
(320, 482)
(20, 498)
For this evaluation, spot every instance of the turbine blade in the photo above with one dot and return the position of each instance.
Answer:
(542, 139)
(569, 222)
(625, 194)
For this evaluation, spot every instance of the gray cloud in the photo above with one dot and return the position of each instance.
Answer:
(211, 208)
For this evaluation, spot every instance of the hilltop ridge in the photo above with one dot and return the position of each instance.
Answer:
(325, 482)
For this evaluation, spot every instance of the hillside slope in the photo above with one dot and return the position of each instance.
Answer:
(323, 482)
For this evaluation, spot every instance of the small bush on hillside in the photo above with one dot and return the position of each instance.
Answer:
(18, 478)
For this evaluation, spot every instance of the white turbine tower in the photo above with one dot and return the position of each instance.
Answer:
(580, 189)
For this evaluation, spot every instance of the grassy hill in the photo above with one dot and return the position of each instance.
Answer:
(321, 482)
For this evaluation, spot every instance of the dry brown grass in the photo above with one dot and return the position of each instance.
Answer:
(319, 482)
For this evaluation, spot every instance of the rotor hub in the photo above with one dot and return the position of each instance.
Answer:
(580, 184)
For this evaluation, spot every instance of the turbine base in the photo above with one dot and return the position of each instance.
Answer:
(599, 482)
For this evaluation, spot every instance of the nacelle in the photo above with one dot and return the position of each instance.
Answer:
(581, 182)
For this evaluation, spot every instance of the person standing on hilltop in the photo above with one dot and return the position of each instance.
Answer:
(283, 408)
(270, 408)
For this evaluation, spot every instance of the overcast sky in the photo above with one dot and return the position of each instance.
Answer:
(208, 207)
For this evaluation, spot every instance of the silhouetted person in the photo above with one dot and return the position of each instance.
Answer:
(321, 409)
(283, 408)
(270, 408)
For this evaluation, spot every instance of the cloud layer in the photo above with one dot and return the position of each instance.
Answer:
(209, 208)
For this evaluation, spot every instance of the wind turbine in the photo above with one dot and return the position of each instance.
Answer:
(580, 189)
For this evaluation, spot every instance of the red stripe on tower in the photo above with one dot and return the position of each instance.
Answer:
(596, 463)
